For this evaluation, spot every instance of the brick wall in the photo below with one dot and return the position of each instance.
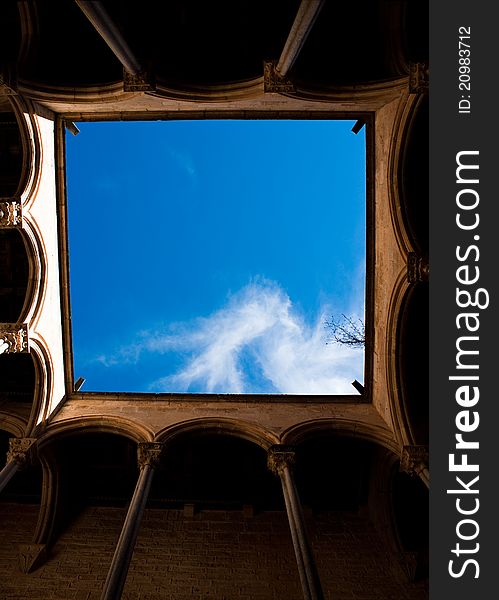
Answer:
(215, 554)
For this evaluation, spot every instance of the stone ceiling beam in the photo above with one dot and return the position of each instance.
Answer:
(302, 25)
(109, 32)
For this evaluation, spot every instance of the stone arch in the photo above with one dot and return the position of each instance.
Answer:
(120, 426)
(43, 382)
(396, 307)
(49, 54)
(403, 371)
(411, 373)
(26, 191)
(398, 149)
(219, 426)
(30, 172)
(379, 504)
(213, 464)
(109, 92)
(14, 275)
(70, 479)
(412, 175)
(350, 428)
(18, 391)
(11, 149)
(388, 509)
(238, 90)
(13, 424)
(37, 267)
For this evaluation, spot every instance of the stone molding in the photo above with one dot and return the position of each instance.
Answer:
(149, 453)
(273, 82)
(417, 268)
(279, 457)
(22, 451)
(10, 213)
(418, 78)
(15, 337)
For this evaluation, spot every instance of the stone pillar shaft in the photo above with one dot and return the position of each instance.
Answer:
(107, 29)
(148, 456)
(304, 20)
(118, 571)
(306, 565)
(8, 472)
(280, 463)
(424, 475)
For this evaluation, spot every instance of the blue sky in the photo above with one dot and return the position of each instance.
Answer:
(206, 255)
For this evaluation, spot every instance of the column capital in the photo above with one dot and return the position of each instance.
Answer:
(22, 451)
(8, 80)
(418, 78)
(141, 82)
(13, 338)
(149, 453)
(418, 268)
(10, 213)
(414, 459)
(273, 82)
(279, 457)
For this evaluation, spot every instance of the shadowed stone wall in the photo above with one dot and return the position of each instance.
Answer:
(214, 554)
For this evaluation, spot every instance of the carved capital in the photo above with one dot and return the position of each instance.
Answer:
(417, 268)
(279, 457)
(273, 82)
(13, 338)
(10, 213)
(142, 82)
(8, 80)
(149, 453)
(414, 459)
(22, 450)
(418, 78)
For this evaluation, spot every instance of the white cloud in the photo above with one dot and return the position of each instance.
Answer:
(260, 320)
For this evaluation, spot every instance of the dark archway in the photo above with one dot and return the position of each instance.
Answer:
(413, 371)
(14, 273)
(215, 472)
(414, 178)
(11, 151)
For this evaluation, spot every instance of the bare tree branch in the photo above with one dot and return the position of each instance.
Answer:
(346, 330)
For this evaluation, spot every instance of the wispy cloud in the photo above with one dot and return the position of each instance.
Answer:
(259, 322)
(183, 162)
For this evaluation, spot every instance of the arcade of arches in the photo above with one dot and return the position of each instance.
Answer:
(199, 495)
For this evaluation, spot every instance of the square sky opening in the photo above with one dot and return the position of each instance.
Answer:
(211, 256)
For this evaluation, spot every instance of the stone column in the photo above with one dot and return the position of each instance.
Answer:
(280, 462)
(414, 461)
(19, 456)
(302, 25)
(109, 31)
(148, 457)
